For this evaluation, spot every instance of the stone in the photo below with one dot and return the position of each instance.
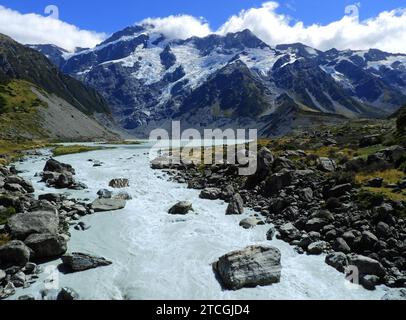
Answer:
(375, 183)
(80, 261)
(25, 184)
(27, 297)
(19, 279)
(318, 247)
(21, 225)
(67, 294)
(369, 282)
(51, 197)
(13, 187)
(210, 193)
(280, 180)
(102, 205)
(383, 230)
(250, 267)
(2, 275)
(366, 266)
(53, 165)
(326, 164)
(265, 161)
(315, 224)
(249, 223)
(368, 239)
(307, 194)
(181, 208)
(340, 190)
(14, 253)
(270, 234)
(341, 245)
(104, 194)
(236, 205)
(337, 260)
(119, 183)
(46, 246)
(7, 291)
(289, 232)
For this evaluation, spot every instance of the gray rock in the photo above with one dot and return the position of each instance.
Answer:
(13, 187)
(53, 165)
(337, 260)
(270, 234)
(368, 239)
(122, 196)
(265, 161)
(369, 282)
(340, 190)
(119, 183)
(318, 247)
(315, 224)
(181, 208)
(67, 294)
(366, 266)
(46, 245)
(307, 194)
(341, 245)
(250, 267)
(375, 183)
(326, 164)
(383, 230)
(14, 253)
(289, 232)
(51, 197)
(21, 225)
(19, 279)
(249, 223)
(81, 261)
(104, 194)
(2, 275)
(102, 205)
(211, 193)
(25, 184)
(7, 291)
(280, 180)
(236, 205)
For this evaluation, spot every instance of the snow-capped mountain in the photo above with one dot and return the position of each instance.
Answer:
(235, 80)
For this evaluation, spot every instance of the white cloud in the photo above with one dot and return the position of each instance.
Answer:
(36, 29)
(387, 31)
(180, 26)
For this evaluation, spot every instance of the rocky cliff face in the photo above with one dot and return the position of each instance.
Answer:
(234, 80)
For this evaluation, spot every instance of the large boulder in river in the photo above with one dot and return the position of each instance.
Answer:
(337, 260)
(236, 205)
(80, 261)
(182, 208)
(53, 165)
(46, 246)
(101, 205)
(14, 253)
(22, 225)
(250, 267)
(211, 193)
(119, 183)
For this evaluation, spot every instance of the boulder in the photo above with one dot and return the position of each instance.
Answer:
(375, 183)
(26, 297)
(104, 194)
(369, 282)
(370, 140)
(341, 245)
(280, 180)
(366, 266)
(80, 261)
(67, 294)
(13, 187)
(119, 183)
(383, 230)
(394, 153)
(326, 164)
(46, 246)
(102, 205)
(339, 190)
(250, 267)
(337, 260)
(2, 275)
(307, 194)
(265, 161)
(7, 291)
(21, 225)
(270, 234)
(25, 184)
(51, 197)
(53, 165)
(181, 208)
(289, 232)
(249, 223)
(14, 253)
(318, 247)
(236, 205)
(210, 193)
(315, 224)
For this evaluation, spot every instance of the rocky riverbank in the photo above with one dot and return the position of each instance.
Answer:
(35, 230)
(316, 205)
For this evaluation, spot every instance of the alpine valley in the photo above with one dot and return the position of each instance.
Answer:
(233, 81)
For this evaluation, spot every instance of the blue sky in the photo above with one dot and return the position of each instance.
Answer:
(110, 16)
(321, 24)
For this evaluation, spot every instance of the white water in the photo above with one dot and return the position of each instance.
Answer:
(158, 256)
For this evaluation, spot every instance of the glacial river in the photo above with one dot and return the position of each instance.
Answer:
(158, 256)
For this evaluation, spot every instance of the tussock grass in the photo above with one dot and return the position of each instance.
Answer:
(4, 238)
(65, 150)
(387, 193)
(389, 176)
